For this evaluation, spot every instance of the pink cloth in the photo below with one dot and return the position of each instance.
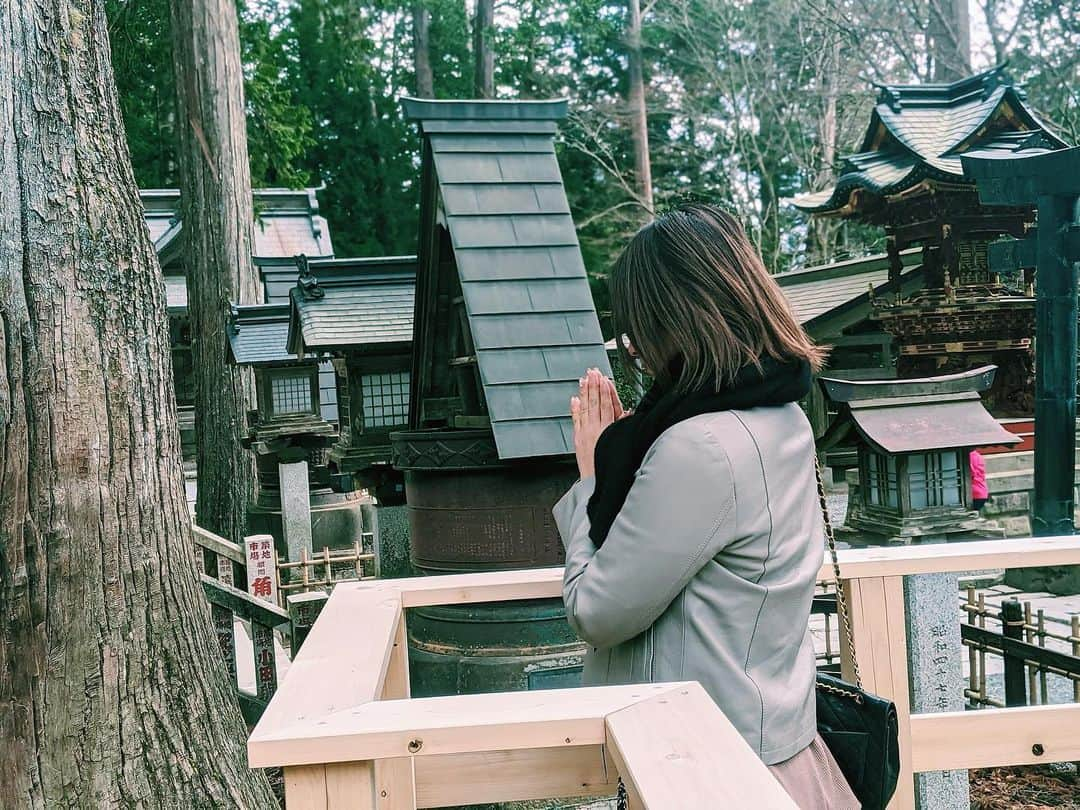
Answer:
(814, 781)
(978, 476)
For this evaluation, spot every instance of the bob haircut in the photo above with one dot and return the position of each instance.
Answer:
(692, 295)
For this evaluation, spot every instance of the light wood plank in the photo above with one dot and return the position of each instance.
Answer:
(1018, 552)
(395, 784)
(396, 682)
(459, 589)
(350, 786)
(495, 586)
(880, 631)
(305, 787)
(899, 689)
(395, 780)
(508, 776)
(679, 750)
(552, 718)
(342, 664)
(981, 739)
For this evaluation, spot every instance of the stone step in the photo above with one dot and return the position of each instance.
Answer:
(1002, 462)
(1001, 485)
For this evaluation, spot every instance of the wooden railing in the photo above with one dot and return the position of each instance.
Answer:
(343, 728)
(227, 564)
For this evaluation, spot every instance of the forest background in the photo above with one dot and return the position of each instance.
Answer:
(748, 101)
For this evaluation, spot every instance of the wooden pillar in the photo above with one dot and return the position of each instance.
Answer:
(878, 624)
(395, 780)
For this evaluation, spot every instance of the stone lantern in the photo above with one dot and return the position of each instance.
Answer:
(290, 437)
(913, 439)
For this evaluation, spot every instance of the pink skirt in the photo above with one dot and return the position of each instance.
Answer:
(814, 780)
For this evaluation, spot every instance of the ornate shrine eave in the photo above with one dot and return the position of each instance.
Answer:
(918, 133)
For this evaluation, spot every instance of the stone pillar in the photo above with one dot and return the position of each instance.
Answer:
(295, 508)
(370, 525)
(936, 677)
(393, 542)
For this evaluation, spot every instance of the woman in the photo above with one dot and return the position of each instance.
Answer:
(694, 537)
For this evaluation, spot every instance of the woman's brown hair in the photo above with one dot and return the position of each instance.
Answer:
(694, 298)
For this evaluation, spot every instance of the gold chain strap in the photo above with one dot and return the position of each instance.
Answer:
(841, 600)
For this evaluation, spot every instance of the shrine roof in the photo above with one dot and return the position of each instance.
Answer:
(491, 168)
(258, 334)
(919, 132)
(907, 416)
(352, 303)
(288, 223)
(816, 292)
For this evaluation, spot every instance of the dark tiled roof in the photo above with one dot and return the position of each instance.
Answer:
(258, 334)
(358, 302)
(817, 291)
(920, 131)
(522, 276)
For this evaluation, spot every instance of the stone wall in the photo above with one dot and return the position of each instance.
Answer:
(1010, 478)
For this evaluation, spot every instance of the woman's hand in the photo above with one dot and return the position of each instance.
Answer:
(596, 406)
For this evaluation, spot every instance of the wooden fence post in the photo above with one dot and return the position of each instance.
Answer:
(1012, 626)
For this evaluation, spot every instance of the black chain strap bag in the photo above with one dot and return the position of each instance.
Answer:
(859, 728)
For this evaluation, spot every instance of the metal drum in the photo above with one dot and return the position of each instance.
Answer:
(468, 511)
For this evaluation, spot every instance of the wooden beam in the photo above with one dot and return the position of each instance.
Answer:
(350, 786)
(1018, 552)
(456, 724)
(395, 780)
(461, 589)
(540, 583)
(342, 664)
(305, 787)
(217, 544)
(990, 737)
(880, 631)
(512, 776)
(678, 750)
(242, 604)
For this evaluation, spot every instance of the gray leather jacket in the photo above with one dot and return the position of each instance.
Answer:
(708, 572)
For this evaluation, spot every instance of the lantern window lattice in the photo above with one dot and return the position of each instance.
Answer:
(386, 399)
(291, 394)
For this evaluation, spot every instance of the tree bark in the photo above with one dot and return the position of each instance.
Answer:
(950, 39)
(425, 79)
(113, 692)
(484, 53)
(218, 225)
(639, 122)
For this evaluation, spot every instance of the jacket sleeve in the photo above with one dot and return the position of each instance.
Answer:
(679, 513)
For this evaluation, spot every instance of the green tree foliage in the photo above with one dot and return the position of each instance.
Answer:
(278, 128)
(749, 102)
(142, 63)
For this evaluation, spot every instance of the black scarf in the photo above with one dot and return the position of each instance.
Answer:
(623, 445)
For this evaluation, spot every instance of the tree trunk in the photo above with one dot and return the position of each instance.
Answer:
(483, 29)
(639, 122)
(950, 39)
(114, 693)
(215, 185)
(822, 230)
(425, 79)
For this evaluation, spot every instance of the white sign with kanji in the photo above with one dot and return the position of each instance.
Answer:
(261, 567)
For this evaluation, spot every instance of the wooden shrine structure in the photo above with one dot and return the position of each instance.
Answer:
(907, 177)
(360, 312)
